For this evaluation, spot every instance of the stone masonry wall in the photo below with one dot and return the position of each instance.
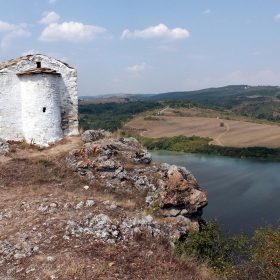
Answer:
(41, 115)
(11, 120)
(10, 107)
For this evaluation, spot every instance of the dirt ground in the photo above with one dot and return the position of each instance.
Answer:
(234, 133)
(23, 150)
(40, 196)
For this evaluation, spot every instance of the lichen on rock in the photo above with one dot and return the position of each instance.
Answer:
(122, 163)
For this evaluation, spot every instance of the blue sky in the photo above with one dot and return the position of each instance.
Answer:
(129, 46)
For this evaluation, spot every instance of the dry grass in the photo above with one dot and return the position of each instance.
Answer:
(240, 134)
(29, 178)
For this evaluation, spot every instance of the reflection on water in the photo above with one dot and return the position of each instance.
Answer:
(241, 192)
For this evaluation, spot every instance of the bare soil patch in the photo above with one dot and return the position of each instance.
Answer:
(240, 134)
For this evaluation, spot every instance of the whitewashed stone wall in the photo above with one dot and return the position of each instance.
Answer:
(17, 107)
(10, 107)
(41, 117)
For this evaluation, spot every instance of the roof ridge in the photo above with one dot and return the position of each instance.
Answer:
(14, 61)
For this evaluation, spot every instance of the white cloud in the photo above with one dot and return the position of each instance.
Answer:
(207, 12)
(277, 17)
(138, 68)
(30, 52)
(58, 56)
(16, 33)
(160, 31)
(5, 26)
(71, 31)
(257, 53)
(50, 17)
(52, 1)
(12, 31)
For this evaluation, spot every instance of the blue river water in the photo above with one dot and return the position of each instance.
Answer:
(243, 194)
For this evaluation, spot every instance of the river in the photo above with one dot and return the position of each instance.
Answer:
(241, 193)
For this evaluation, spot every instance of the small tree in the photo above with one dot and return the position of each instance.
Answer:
(222, 124)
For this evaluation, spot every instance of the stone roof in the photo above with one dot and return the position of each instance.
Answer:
(39, 71)
(11, 62)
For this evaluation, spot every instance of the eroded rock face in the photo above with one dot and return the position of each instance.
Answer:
(4, 147)
(122, 164)
(181, 190)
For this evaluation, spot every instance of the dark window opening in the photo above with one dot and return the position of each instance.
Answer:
(38, 64)
(44, 109)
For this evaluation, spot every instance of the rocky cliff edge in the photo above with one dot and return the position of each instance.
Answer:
(122, 164)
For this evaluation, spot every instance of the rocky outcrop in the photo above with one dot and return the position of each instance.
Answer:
(80, 222)
(122, 164)
(4, 147)
(93, 135)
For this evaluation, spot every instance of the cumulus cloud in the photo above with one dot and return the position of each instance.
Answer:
(12, 31)
(5, 26)
(30, 52)
(207, 12)
(160, 31)
(138, 68)
(6, 41)
(52, 1)
(71, 31)
(49, 17)
(277, 17)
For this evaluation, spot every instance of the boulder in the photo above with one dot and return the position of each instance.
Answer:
(92, 135)
(181, 190)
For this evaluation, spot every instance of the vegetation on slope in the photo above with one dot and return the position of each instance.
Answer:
(236, 257)
(261, 102)
(196, 144)
(111, 116)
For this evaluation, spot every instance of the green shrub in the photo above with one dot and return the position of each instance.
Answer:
(266, 249)
(236, 257)
(211, 245)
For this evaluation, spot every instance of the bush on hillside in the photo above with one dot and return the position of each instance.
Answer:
(236, 256)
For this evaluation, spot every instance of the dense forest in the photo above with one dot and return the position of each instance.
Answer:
(111, 116)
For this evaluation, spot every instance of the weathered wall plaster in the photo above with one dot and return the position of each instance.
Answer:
(38, 106)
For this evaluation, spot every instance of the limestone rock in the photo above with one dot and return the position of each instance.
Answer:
(91, 135)
(122, 164)
(142, 157)
(4, 147)
(182, 190)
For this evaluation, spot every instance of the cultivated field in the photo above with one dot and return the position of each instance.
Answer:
(234, 133)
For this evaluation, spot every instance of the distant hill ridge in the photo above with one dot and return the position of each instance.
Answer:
(215, 92)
